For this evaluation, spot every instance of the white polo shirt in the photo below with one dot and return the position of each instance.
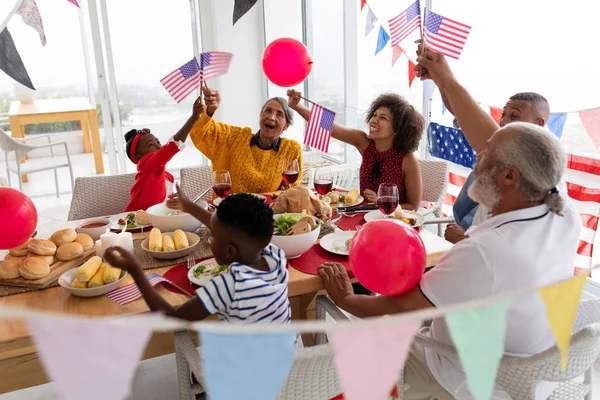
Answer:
(483, 212)
(515, 250)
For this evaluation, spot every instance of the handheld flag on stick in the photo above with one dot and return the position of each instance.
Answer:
(319, 127)
(444, 35)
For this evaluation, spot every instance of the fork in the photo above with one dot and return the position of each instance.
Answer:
(190, 264)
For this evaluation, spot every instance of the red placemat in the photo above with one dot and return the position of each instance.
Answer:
(178, 275)
(310, 261)
(349, 223)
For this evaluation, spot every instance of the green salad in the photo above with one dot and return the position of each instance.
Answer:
(201, 270)
(284, 222)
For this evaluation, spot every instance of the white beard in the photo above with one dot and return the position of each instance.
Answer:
(484, 190)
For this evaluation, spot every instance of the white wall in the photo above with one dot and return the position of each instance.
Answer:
(244, 89)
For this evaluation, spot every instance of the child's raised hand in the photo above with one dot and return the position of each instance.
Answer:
(173, 202)
(120, 258)
(198, 107)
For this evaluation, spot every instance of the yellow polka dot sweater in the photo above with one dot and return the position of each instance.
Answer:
(252, 169)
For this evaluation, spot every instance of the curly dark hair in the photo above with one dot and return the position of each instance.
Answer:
(248, 214)
(407, 123)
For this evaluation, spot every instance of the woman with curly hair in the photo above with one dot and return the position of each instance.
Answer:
(395, 129)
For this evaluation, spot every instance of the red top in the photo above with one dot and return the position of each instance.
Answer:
(384, 167)
(149, 187)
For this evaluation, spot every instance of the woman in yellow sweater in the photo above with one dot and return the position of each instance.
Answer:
(253, 160)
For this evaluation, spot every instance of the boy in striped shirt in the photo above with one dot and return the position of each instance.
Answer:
(254, 287)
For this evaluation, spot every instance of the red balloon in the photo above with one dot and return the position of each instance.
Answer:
(286, 62)
(387, 257)
(18, 218)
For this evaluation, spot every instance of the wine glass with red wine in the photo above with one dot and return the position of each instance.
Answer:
(222, 183)
(290, 171)
(323, 181)
(387, 198)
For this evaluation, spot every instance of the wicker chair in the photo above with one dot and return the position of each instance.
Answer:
(96, 196)
(341, 174)
(196, 180)
(518, 376)
(435, 182)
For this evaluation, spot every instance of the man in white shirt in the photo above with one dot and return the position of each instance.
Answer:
(530, 240)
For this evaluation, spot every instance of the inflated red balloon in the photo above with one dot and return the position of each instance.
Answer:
(18, 218)
(387, 256)
(286, 62)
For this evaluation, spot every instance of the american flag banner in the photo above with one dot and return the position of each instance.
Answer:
(405, 23)
(444, 35)
(129, 293)
(214, 63)
(184, 80)
(450, 144)
(319, 127)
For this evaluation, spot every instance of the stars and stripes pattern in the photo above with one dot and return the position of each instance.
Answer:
(129, 293)
(405, 23)
(214, 64)
(183, 81)
(444, 35)
(319, 127)
(450, 144)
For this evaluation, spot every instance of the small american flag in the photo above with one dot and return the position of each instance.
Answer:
(183, 80)
(318, 130)
(214, 64)
(405, 23)
(129, 293)
(444, 35)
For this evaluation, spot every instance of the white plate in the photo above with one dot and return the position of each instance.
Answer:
(358, 201)
(68, 277)
(336, 242)
(205, 277)
(376, 214)
(114, 223)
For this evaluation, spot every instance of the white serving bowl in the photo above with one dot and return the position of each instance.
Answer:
(68, 277)
(295, 246)
(160, 218)
(94, 232)
(192, 238)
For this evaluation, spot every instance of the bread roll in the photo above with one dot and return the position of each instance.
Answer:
(20, 251)
(9, 269)
(85, 241)
(141, 217)
(9, 256)
(47, 259)
(69, 251)
(42, 247)
(34, 268)
(63, 236)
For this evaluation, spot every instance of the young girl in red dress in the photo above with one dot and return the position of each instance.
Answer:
(145, 150)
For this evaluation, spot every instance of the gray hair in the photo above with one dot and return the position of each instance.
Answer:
(540, 159)
(289, 114)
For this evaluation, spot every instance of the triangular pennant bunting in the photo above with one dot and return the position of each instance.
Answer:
(260, 364)
(371, 19)
(496, 114)
(397, 52)
(73, 2)
(369, 360)
(241, 7)
(556, 123)
(363, 3)
(411, 73)
(10, 60)
(382, 40)
(561, 309)
(591, 122)
(478, 336)
(428, 89)
(31, 16)
(95, 360)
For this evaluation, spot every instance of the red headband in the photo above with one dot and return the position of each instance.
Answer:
(137, 137)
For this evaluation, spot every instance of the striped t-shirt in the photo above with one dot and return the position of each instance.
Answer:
(244, 295)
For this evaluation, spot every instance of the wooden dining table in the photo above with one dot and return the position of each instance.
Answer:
(20, 365)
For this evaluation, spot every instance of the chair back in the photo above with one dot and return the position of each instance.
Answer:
(96, 196)
(195, 180)
(8, 144)
(342, 175)
(435, 180)
(311, 157)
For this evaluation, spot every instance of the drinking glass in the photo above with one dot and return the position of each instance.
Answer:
(221, 183)
(323, 181)
(290, 171)
(387, 198)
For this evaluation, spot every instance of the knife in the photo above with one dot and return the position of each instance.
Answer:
(366, 207)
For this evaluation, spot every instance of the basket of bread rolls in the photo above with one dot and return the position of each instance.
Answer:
(93, 278)
(170, 245)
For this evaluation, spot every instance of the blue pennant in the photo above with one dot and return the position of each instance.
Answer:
(382, 40)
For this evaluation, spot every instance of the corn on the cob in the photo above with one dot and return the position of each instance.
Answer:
(111, 273)
(98, 278)
(78, 284)
(167, 243)
(155, 240)
(181, 241)
(351, 197)
(88, 269)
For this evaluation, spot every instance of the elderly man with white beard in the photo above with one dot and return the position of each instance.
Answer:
(529, 241)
